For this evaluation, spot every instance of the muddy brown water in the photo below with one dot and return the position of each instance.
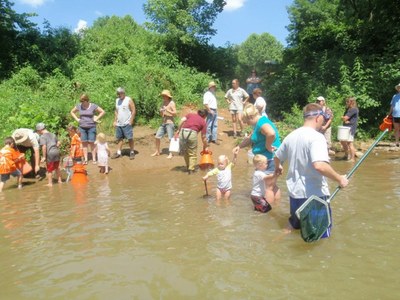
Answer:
(152, 235)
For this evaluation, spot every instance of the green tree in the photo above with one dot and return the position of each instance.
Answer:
(183, 20)
(11, 25)
(258, 49)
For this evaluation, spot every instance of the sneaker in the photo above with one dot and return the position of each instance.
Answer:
(115, 155)
(215, 142)
(132, 155)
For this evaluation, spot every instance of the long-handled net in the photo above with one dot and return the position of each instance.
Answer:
(315, 214)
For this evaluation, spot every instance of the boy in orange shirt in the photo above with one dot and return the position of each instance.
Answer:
(76, 151)
(9, 156)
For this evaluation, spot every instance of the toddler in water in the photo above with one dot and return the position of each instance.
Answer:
(102, 151)
(258, 192)
(224, 176)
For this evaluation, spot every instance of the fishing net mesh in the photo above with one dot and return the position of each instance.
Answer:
(315, 219)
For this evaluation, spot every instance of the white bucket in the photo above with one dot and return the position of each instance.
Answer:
(343, 133)
(174, 145)
(250, 156)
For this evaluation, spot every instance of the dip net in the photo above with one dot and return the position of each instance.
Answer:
(315, 218)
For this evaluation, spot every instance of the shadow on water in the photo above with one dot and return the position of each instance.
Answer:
(153, 235)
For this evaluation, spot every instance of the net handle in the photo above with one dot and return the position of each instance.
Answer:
(359, 162)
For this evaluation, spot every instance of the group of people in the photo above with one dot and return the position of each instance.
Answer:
(305, 151)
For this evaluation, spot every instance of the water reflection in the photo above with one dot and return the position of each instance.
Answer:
(165, 241)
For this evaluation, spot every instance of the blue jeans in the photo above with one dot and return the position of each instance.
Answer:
(212, 126)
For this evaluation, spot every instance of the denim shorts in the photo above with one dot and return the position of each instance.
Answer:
(88, 134)
(124, 132)
(165, 129)
(271, 167)
(5, 177)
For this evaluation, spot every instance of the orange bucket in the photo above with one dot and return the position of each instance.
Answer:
(206, 161)
(387, 123)
(79, 175)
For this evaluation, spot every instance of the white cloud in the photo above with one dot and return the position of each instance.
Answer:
(234, 4)
(82, 25)
(98, 13)
(34, 3)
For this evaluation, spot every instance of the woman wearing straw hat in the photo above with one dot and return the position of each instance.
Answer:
(395, 112)
(167, 112)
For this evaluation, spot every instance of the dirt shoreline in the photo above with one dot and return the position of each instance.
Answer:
(145, 145)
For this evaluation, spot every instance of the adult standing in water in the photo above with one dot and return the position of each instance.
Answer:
(253, 82)
(168, 113)
(395, 112)
(87, 123)
(308, 163)
(125, 113)
(189, 127)
(236, 98)
(264, 140)
(28, 140)
(210, 104)
(350, 119)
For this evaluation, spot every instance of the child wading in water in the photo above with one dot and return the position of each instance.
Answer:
(76, 151)
(102, 151)
(224, 176)
(9, 156)
(258, 192)
(50, 153)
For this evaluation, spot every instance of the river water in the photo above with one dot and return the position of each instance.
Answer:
(152, 235)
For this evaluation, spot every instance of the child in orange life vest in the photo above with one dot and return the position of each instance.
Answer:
(224, 176)
(76, 151)
(8, 157)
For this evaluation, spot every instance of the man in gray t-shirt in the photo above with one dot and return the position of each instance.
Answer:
(308, 162)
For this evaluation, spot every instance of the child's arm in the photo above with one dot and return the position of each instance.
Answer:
(44, 153)
(210, 173)
(73, 150)
(234, 158)
(108, 150)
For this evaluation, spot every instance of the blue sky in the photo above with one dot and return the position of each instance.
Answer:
(239, 19)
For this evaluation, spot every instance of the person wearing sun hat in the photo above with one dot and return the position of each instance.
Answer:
(168, 113)
(28, 140)
(210, 103)
(395, 112)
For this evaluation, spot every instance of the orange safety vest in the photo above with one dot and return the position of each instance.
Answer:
(8, 157)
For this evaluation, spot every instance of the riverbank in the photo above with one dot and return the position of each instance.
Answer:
(145, 145)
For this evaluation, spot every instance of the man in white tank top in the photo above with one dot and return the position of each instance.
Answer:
(125, 112)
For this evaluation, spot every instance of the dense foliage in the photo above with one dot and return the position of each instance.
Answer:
(340, 48)
(336, 48)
